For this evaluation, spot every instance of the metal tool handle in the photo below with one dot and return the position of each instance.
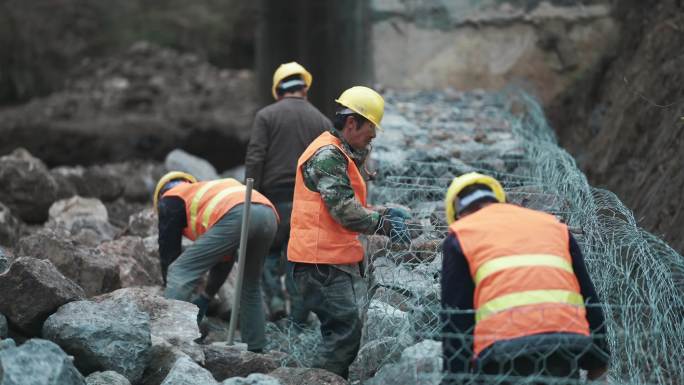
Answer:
(241, 261)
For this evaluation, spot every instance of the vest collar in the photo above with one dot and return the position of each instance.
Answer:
(358, 156)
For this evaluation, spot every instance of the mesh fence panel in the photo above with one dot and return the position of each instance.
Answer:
(431, 137)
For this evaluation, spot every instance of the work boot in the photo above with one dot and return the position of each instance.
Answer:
(202, 303)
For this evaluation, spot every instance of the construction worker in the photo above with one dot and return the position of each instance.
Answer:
(281, 132)
(516, 295)
(210, 214)
(329, 211)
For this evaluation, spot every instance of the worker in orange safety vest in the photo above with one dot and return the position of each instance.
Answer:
(210, 214)
(329, 212)
(517, 298)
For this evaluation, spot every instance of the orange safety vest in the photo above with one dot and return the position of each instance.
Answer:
(520, 262)
(315, 237)
(207, 202)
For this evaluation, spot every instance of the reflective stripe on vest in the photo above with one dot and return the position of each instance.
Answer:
(520, 262)
(216, 199)
(207, 202)
(194, 206)
(526, 298)
(512, 261)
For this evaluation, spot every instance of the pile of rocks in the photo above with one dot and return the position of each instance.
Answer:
(81, 290)
(139, 104)
(80, 276)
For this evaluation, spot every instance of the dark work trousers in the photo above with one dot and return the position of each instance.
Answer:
(554, 358)
(274, 269)
(329, 293)
(207, 254)
(555, 369)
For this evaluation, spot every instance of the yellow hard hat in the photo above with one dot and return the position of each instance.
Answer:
(365, 102)
(465, 180)
(168, 177)
(289, 69)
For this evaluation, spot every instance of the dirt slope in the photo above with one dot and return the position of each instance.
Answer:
(625, 122)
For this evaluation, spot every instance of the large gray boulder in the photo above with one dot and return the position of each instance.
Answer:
(143, 223)
(139, 178)
(171, 320)
(400, 277)
(37, 362)
(186, 372)
(10, 226)
(162, 357)
(70, 181)
(88, 267)
(99, 182)
(108, 335)
(133, 180)
(107, 378)
(225, 361)
(385, 320)
(419, 364)
(392, 297)
(253, 379)
(120, 211)
(4, 330)
(138, 265)
(32, 289)
(373, 355)
(179, 160)
(27, 189)
(85, 219)
(311, 376)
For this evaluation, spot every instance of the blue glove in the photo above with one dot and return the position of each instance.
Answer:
(393, 224)
(397, 213)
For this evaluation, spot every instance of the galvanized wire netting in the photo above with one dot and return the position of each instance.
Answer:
(431, 137)
(546, 359)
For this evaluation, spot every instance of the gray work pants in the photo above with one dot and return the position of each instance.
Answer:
(274, 269)
(222, 239)
(329, 293)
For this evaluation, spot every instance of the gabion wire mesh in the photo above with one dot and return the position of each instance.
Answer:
(431, 137)
(540, 359)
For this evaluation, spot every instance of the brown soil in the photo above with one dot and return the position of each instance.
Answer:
(625, 121)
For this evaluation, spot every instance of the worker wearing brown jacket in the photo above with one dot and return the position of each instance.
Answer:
(281, 132)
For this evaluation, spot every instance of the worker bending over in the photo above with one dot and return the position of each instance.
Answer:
(280, 133)
(210, 213)
(523, 276)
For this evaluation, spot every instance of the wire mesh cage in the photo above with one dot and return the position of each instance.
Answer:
(431, 137)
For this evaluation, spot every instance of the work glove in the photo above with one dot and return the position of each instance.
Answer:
(393, 224)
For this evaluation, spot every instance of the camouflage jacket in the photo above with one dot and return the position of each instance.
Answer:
(326, 173)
